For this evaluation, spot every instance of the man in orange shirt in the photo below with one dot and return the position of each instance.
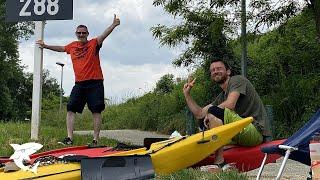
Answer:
(88, 86)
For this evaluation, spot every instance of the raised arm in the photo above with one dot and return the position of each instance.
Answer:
(115, 23)
(231, 100)
(197, 111)
(53, 48)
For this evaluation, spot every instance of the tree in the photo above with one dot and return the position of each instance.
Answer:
(165, 84)
(11, 72)
(285, 70)
(206, 27)
(202, 31)
(270, 13)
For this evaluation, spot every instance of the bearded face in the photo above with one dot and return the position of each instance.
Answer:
(219, 73)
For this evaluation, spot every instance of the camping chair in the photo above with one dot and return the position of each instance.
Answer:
(295, 147)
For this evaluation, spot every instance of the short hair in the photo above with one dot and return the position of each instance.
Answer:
(223, 62)
(82, 26)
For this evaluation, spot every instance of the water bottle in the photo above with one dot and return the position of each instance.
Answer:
(315, 156)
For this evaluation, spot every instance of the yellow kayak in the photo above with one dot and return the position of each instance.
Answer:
(167, 156)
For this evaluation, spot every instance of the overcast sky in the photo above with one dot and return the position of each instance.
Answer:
(132, 60)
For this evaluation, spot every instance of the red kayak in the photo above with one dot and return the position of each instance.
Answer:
(76, 150)
(244, 158)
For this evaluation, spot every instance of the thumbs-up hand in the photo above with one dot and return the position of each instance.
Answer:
(116, 20)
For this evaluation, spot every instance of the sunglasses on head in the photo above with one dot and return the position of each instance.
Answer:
(82, 32)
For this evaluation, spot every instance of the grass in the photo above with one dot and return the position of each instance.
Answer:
(52, 130)
(196, 174)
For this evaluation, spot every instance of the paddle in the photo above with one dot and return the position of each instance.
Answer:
(202, 141)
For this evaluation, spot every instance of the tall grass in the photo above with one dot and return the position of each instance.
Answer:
(153, 112)
(52, 130)
(162, 112)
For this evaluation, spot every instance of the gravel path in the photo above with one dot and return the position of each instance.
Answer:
(293, 170)
(134, 137)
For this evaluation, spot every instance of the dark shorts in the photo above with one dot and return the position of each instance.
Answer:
(90, 92)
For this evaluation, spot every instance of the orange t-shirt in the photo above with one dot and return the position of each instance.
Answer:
(85, 59)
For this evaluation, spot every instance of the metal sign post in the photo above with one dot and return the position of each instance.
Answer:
(39, 11)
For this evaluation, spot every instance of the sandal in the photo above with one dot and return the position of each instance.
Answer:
(221, 165)
(214, 167)
(210, 168)
(226, 166)
(218, 167)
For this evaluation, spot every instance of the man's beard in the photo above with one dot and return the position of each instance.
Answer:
(220, 80)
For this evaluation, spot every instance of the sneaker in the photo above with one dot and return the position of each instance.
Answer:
(66, 141)
(94, 143)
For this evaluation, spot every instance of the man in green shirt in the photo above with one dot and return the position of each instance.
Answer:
(237, 100)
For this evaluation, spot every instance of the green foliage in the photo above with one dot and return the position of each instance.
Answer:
(23, 95)
(196, 174)
(201, 31)
(153, 111)
(165, 84)
(285, 71)
(269, 13)
(272, 13)
(52, 130)
(12, 80)
(15, 85)
(50, 85)
(204, 90)
(160, 112)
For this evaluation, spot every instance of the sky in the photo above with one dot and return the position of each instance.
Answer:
(132, 61)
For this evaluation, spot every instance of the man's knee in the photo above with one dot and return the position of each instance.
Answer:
(215, 122)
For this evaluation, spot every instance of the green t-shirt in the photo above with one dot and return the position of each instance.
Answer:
(248, 104)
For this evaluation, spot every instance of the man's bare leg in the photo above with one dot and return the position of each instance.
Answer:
(97, 119)
(215, 122)
(70, 123)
